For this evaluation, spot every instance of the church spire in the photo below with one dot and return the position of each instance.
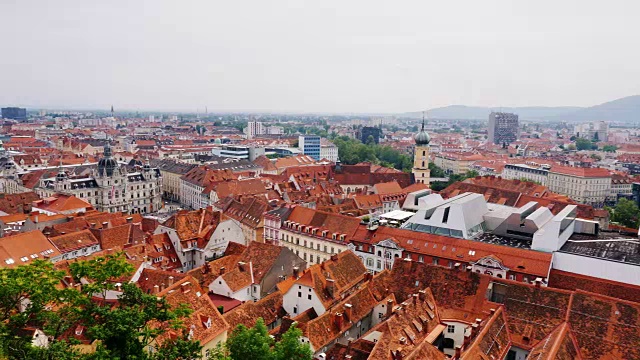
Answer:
(423, 120)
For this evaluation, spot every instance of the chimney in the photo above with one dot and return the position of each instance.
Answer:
(118, 287)
(338, 320)
(162, 286)
(93, 225)
(129, 220)
(368, 276)
(397, 355)
(415, 299)
(222, 270)
(185, 287)
(242, 265)
(331, 287)
(467, 339)
(349, 342)
(170, 280)
(348, 312)
(492, 311)
(469, 268)
(423, 295)
(69, 280)
(538, 282)
(208, 267)
(156, 289)
(458, 352)
(457, 266)
(105, 225)
(474, 330)
(296, 272)
(334, 257)
(389, 307)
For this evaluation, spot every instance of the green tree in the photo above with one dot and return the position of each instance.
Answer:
(123, 330)
(290, 348)
(370, 140)
(436, 171)
(609, 148)
(250, 343)
(626, 213)
(583, 144)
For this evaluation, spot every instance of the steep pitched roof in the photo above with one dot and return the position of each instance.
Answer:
(268, 308)
(205, 322)
(344, 270)
(493, 340)
(560, 344)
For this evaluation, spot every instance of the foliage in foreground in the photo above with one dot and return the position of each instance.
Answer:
(122, 331)
(256, 344)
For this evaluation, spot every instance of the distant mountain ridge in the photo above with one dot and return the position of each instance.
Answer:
(626, 109)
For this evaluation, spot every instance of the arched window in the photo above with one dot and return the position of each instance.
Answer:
(369, 262)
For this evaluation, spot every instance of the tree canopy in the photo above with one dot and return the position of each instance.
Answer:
(585, 144)
(256, 344)
(626, 213)
(31, 296)
(352, 151)
(453, 178)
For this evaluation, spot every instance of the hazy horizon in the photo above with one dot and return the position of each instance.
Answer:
(358, 57)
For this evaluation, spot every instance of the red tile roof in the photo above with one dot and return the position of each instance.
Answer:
(580, 172)
(25, 247)
(74, 241)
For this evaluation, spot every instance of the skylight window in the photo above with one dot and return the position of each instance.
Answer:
(9, 261)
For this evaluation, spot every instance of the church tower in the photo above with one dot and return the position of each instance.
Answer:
(420, 169)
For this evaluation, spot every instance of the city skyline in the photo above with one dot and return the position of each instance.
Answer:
(348, 58)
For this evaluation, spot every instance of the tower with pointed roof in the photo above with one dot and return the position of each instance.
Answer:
(420, 171)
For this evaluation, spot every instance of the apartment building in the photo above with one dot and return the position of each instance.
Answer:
(171, 172)
(456, 163)
(584, 185)
(527, 172)
(312, 235)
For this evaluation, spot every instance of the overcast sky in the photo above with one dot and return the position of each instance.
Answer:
(317, 56)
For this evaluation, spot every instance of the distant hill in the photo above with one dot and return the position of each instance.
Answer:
(625, 110)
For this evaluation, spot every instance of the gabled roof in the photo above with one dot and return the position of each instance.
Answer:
(193, 224)
(345, 270)
(205, 322)
(560, 344)
(268, 308)
(493, 340)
